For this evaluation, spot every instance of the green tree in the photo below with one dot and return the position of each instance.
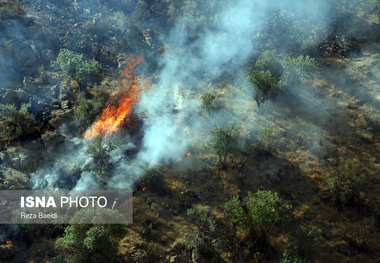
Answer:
(76, 66)
(298, 68)
(264, 83)
(268, 61)
(90, 243)
(14, 122)
(223, 142)
(99, 151)
(258, 212)
(347, 181)
(235, 212)
(203, 218)
(208, 100)
(307, 241)
(266, 209)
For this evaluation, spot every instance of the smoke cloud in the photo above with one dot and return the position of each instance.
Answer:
(199, 53)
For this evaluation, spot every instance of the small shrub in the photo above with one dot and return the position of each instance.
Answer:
(194, 240)
(90, 243)
(203, 218)
(15, 123)
(208, 100)
(153, 179)
(298, 68)
(153, 251)
(89, 109)
(75, 66)
(264, 83)
(267, 209)
(292, 259)
(223, 142)
(258, 212)
(268, 61)
(347, 181)
(308, 241)
(234, 211)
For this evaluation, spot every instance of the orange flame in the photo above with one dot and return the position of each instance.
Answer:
(8, 242)
(114, 115)
(188, 154)
(143, 188)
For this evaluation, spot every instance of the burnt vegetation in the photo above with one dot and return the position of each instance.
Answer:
(270, 154)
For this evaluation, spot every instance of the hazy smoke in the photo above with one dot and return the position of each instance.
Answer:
(201, 52)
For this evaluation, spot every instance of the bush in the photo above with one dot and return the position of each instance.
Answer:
(223, 142)
(265, 85)
(347, 181)
(194, 240)
(307, 241)
(203, 218)
(266, 209)
(268, 61)
(258, 212)
(88, 110)
(90, 243)
(298, 68)
(11, 9)
(75, 66)
(153, 179)
(234, 211)
(15, 123)
(208, 100)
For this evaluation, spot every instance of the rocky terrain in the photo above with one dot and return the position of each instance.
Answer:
(291, 145)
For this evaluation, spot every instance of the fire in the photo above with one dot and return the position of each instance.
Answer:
(188, 154)
(8, 242)
(143, 188)
(115, 114)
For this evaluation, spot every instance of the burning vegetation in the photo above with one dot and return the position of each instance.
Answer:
(119, 108)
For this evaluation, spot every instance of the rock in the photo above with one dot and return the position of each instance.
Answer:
(139, 256)
(14, 179)
(59, 117)
(174, 259)
(52, 139)
(17, 96)
(63, 94)
(7, 252)
(195, 256)
(22, 159)
(65, 104)
(159, 210)
(26, 55)
(150, 199)
(47, 55)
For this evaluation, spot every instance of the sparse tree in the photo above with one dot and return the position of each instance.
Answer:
(14, 122)
(77, 67)
(307, 241)
(208, 101)
(298, 68)
(90, 242)
(347, 181)
(266, 209)
(268, 61)
(99, 151)
(223, 142)
(264, 83)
